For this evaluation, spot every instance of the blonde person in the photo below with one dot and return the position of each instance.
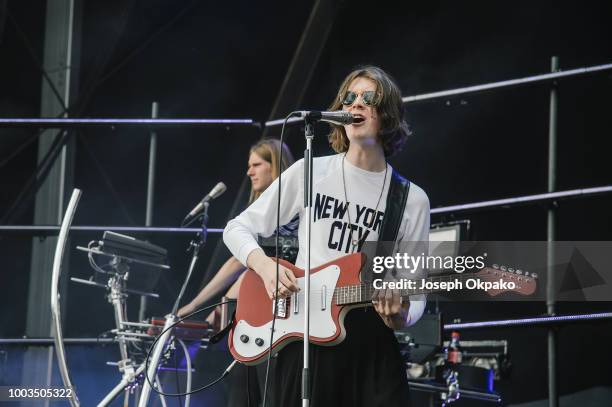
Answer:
(262, 170)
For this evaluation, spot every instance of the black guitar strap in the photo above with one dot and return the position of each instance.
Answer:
(396, 204)
(394, 211)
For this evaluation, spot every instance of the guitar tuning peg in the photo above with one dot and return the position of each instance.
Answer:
(510, 269)
(534, 275)
(503, 268)
(495, 266)
(527, 273)
(519, 271)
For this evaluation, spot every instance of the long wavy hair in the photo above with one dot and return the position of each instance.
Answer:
(389, 106)
(269, 150)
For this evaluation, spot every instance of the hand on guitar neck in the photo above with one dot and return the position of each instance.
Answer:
(389, 305)
(265, 267)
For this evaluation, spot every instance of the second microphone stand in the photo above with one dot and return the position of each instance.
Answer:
(195, 245)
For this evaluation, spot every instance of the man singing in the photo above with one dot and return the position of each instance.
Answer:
(350, 192)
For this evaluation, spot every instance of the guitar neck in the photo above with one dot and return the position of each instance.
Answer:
(362, 293)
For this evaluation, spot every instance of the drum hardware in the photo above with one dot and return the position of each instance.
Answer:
(128, 259)
(139, 263)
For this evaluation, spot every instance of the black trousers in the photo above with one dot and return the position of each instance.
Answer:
(366, 369)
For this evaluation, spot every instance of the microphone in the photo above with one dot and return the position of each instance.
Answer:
(195, 212)
(338, 117)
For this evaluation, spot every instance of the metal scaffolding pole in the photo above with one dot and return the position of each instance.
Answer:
(152, 164)
(554, 76)
(150, 194)
(536, 321)
(511, 83)
(60, 63)
(553, 394)
(46, 230)
(524, 200)
(69, 123)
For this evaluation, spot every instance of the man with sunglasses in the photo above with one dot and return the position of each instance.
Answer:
(350, 191)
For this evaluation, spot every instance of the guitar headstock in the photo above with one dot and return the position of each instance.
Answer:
(523, 282)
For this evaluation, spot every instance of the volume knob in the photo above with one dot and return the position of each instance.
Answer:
(244, 338)
(259, 342)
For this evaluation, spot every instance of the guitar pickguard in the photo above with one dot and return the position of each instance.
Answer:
(250, 341)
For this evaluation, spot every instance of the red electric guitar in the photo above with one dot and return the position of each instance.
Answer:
(335, 289)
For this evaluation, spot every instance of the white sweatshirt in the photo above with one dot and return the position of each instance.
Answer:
(330, 228)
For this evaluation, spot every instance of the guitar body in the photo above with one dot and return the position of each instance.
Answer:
(333, 283)
(249, 338)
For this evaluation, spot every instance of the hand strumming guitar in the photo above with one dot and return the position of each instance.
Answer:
(265, 267)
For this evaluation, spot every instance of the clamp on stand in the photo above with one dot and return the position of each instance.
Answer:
(117, 297)
(121, 254)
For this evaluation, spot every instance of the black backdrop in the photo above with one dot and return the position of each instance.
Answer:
(228, 60)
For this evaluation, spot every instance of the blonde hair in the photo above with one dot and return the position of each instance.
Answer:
(389, 106)
(269, 150)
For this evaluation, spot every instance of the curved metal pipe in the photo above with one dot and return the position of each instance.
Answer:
(55, 296)
(189, 373)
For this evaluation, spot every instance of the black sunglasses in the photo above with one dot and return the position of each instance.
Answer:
(368, 97)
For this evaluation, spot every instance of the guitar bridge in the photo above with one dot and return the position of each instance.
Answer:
(282, 307)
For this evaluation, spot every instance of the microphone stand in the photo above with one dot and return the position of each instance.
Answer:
(195, 245)
(309, 119)
(309, 135)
